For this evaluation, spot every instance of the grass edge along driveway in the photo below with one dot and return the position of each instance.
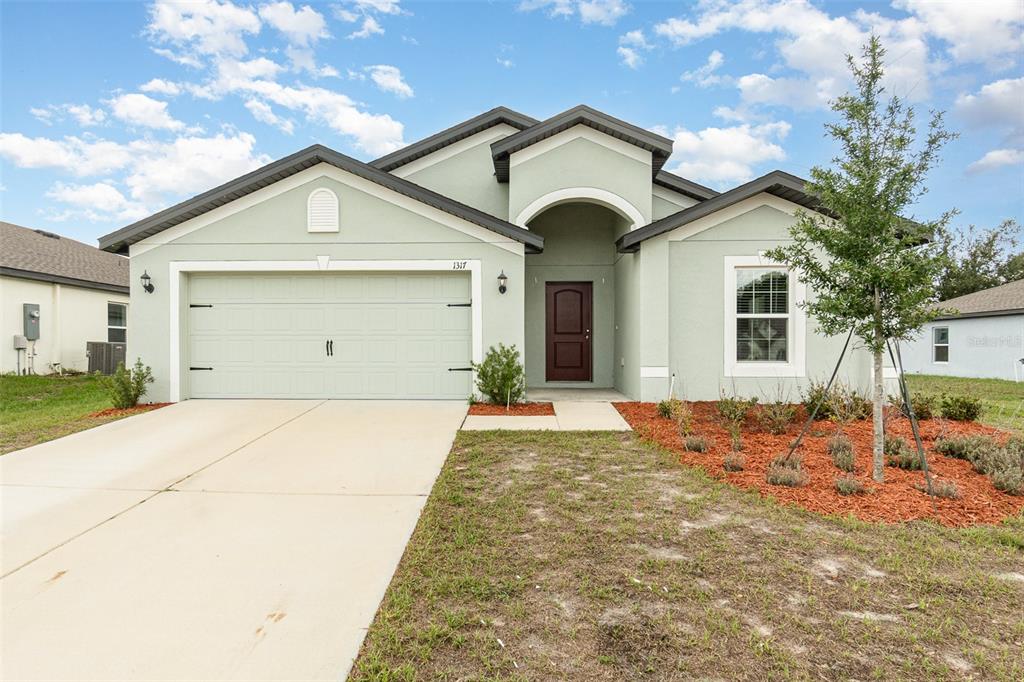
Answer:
(547, 555)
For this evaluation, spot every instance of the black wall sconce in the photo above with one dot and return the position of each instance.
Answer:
(502, 282)
(147, 282)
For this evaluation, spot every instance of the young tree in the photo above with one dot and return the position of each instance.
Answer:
(870, 268)
(979, 259)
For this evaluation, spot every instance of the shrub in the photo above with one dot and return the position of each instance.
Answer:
(901, 455)
(500, 377)
(841, 449)
(1009, 479)
(849, 485)
(734, 410)
(787, 471)
(776, 416)
(924, 404)
(734, 461)
(964, 447)
(943, 489)
(696, 444)
(126, 386)
(1003, 464)
(682, 415)
(841, 403)
(961, 408)
(665, 408)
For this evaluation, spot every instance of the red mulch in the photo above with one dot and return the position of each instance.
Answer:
(894, 501)
(518, 410)
(138, 409)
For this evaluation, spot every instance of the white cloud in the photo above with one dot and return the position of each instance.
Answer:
(137, 109)
(262, 112)
(630, 48)
(42, 114)
(371, 27)
(727, 155)
(997, 158)
(991, 31)
(389, 79)
(998, 104)
(301, 27)
(71, 154)
(604, 12)
(202, 27)
(85, 115)
(705, 75)
(97, 202)
(161, 87)
(507, 63)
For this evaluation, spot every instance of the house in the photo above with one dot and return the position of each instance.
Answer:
(322, 276)
(983, 338)
(61, 292)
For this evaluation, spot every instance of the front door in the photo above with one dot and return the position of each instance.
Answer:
(567, 338)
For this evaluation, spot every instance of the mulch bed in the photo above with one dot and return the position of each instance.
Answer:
(115, 412)
(518, 410)
(894, 501)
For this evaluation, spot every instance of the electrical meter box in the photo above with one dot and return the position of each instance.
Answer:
(31, 321)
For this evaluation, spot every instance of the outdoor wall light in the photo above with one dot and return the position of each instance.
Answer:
(147, 282)
(502, 282)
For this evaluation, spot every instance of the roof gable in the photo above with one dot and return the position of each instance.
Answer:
(35, 254)
(660, 147)
(1006, 299)
(120, 240)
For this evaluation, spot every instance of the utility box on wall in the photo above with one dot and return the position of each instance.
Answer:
(31, 321)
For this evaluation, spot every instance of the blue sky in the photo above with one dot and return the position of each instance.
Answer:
(111, 111)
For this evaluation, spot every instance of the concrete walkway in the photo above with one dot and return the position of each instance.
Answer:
(570, 415)
(212, 539)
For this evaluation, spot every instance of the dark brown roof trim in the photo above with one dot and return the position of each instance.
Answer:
(684, 186)
(779, 183)
(58, 279)
(119, 241)
(660, 147)
(429, 145)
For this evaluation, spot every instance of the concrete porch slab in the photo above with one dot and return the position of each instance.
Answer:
(570, 415)
(597, 395)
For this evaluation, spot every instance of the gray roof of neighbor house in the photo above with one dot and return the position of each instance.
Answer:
(1006, 299)
(779, 183)
(429, 145)
(48, 257)
(660, 147)
(684, 186)
(120, 240)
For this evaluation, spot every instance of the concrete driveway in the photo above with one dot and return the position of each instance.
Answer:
(212, 539)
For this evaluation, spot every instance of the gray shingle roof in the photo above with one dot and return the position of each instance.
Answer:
(1007, 299)
(40, 255)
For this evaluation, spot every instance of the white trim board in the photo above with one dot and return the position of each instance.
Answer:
(334, 173)
(575, 133)
(178, 269)
(592, 194)
(492, 134)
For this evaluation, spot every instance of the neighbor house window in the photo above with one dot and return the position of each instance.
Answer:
(117, 322)
(940, 344)
(762, 315)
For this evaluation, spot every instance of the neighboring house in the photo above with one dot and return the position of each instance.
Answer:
(322, 276)
(985, 338)
(79, 292)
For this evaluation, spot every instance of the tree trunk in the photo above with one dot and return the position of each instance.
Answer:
(878, 397)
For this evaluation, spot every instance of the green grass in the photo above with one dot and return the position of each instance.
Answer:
(1004, 400)
(595, 556)
(34, 409)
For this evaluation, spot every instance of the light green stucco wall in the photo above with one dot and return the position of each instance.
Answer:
(275, 230)
(661, 208)
(579, 246)
(467, 176)
(696, 302)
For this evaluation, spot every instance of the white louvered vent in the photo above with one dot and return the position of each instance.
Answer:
(322, 211)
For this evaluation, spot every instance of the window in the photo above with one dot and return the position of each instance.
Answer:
(765, 326)
(940, 344)
(762, 315)
(117, 322)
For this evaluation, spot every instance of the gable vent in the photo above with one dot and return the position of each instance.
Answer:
(322, 211)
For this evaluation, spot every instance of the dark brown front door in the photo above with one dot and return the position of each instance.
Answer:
(569, 312)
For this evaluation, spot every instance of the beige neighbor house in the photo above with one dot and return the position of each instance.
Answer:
(61, 292)
(321, 276)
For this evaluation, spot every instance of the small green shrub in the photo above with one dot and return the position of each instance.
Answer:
(841, 404)
(682, 414)
(841, 450)
(849, 485)
(944, 489)
(1009, 479)
(776, 416)
(696, 444)
(1003, 464)
(665, 408)
(925, 405)
(961, 408)
(126, 386)
(734, 410)
(964, 447)
(500, 377)
(787, 471)
(734, 461)
(902, 455)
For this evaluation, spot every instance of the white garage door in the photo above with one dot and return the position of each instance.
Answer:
(345, 335)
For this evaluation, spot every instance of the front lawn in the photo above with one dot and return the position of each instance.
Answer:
(34, 409)
(595, 556)
(1004, 400)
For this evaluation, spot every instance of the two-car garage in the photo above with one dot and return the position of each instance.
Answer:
(329, 335)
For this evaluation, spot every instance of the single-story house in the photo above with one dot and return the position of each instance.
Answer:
(322, 276)
(57, 294)
(984, 338)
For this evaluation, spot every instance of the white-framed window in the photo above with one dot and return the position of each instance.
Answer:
(765, 328)
(940, 345)
(322, 211)
(117, 322)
